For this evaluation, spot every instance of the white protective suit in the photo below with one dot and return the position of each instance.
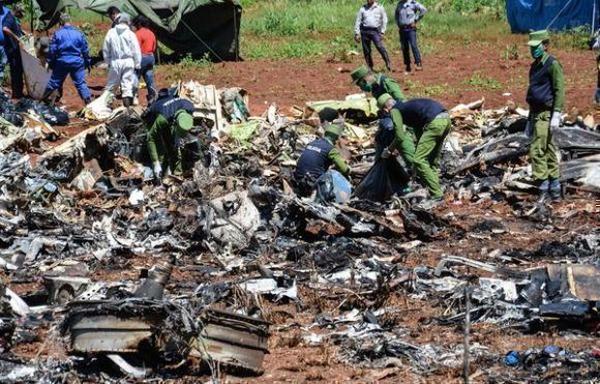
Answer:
(123, 55)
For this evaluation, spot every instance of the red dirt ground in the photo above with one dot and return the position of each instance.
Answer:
(293, 82)
(445, 77)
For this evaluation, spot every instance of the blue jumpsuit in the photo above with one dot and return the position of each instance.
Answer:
(12, 51)
(68, 54)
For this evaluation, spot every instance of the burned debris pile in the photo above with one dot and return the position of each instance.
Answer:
(122, 275)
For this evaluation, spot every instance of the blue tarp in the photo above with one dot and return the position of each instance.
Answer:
(532, 15)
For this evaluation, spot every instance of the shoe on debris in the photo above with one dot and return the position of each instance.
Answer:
(544, 196)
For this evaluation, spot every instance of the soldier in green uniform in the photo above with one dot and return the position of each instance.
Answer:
(376, 83)
(320, 154)
(392, 134)
(169, 122)
(431, 124)
(546, 99)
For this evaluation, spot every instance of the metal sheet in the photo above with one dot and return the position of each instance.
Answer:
(583, 281)
(108, 334)
(238, 342)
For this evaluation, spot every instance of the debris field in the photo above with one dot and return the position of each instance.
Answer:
(224, 274)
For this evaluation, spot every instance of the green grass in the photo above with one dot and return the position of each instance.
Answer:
(309, 28)
(482, 82)
(279, 29)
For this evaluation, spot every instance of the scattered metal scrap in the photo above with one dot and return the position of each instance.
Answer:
(230, 235)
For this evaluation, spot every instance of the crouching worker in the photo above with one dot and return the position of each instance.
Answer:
(431, 124)
(68, 54)
(169, 121)
(376, 83)
(313, 166)
(392, 134)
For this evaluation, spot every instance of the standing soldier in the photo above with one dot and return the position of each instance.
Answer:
(376, 83)
(370, 26)
(408, 13)
(546, 98)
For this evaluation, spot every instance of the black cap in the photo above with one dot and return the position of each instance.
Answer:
(328, 114)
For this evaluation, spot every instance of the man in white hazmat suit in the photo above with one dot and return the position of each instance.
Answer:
(123, 55)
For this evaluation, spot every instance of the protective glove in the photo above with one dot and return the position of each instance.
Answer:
(555, 120)
(157, 168)
(386, 153)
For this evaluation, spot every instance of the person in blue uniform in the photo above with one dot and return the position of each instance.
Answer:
(68, 54)
(320, 154)
(169, 123)
(10, 26)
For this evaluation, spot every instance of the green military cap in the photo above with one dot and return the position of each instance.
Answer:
(334, 130)
(538, 37)
(184, 122)
(359, 73)
(383, 99)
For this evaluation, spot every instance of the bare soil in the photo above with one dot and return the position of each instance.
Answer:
(446, 74)
(291, 83)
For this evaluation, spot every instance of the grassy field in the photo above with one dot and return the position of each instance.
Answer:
(308, 29)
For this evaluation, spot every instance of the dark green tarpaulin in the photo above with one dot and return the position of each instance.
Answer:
(185, 26)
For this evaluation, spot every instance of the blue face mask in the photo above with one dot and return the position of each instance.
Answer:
(537, 52)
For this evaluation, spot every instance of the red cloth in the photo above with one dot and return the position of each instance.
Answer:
(147, 41)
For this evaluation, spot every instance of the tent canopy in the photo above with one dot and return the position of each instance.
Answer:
(198, 27)
(527, 15)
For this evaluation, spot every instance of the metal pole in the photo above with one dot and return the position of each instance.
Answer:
(467, 331)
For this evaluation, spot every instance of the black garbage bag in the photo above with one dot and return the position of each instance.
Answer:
(385, 178)
(51, 114)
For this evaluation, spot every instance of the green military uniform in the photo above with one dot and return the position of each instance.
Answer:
(431, 124)
(403, 139)
(430, 141)
(387, 85)
(382, 84)
(332, 133)
(546, 98)
(162, 137)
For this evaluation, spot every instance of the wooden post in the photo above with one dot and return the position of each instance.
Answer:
(467, 331)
